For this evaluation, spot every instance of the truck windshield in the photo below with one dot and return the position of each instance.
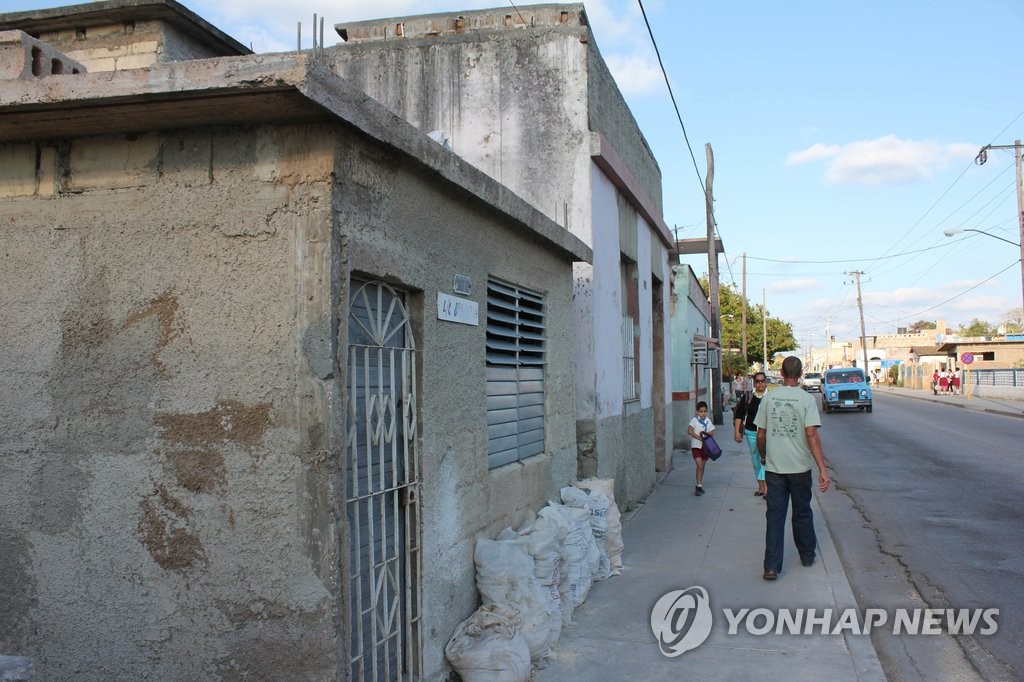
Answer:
(852, 376)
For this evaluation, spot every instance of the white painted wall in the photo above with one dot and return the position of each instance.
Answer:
(643, 258)
(607, 300)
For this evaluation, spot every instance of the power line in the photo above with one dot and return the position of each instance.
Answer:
(948, 189)
(962, 293)
(854, 260)
(679, 116)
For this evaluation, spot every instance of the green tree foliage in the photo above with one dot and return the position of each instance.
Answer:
(921, 325)
(780, 334)
(975, 328)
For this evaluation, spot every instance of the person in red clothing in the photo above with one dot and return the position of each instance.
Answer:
(935, 382)
(944, 383)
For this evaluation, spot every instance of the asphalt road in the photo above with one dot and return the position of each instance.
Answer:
(928, 511)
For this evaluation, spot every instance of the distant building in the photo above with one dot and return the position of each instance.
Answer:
(691, 335)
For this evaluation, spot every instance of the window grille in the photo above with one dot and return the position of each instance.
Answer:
(629, 391)
(515, 373)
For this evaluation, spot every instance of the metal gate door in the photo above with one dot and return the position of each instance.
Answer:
(383, 487)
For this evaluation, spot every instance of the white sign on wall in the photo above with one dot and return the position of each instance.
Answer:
(455, 309)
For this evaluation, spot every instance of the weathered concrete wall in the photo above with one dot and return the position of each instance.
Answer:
(164, 436)
(610, 115)
(395, 226)
(512, 102)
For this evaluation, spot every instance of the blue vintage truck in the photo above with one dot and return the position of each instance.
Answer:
(845, 388)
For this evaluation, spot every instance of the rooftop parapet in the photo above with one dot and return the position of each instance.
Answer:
(455, 23)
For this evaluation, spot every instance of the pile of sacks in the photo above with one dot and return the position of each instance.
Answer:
(532, 579)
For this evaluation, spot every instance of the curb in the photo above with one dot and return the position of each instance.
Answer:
(862, 651)
(989, 410)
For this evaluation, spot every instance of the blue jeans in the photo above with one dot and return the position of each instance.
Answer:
(782, 488)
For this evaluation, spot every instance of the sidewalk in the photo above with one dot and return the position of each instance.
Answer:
(675, 540)
(1004, 406)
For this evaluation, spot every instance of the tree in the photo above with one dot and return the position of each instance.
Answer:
(780, 334)
(976, 328)
(921, 325)
(1014, 320)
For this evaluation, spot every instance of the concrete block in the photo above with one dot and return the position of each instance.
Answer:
(105, 64)
(24, 57)
(109, 51)
(47, 172)
(17, 170)
(112, 162)
(15, 669)
(135, 61)
(145, 47)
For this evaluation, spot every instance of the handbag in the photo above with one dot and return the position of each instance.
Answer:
(711, 448)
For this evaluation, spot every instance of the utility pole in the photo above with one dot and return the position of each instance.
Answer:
(764, 331)
(744, 307)
(716, 323)
(860, 306)
(828, 342)
(981, 159)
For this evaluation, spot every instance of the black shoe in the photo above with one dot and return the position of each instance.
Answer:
(770, 575)
(807, 562)
(698, 490)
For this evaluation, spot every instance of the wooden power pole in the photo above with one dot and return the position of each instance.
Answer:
(716, 371)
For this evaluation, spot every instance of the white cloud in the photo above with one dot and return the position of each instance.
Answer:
(886, 160)
(635, 74)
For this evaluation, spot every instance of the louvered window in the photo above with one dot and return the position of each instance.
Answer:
(515, 373)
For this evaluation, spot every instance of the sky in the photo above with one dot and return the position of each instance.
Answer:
(844, 136)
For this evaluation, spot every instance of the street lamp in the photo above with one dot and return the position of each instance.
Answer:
(957, 230)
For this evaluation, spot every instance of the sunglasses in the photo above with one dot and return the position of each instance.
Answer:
(760, 381)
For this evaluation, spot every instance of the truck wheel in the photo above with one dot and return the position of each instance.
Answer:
(868, 409)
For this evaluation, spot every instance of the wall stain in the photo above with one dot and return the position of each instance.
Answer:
(199, 470)
(160, 529)
(230, 421)
(165, 309)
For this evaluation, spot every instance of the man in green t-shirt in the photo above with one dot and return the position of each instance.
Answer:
(787, 437)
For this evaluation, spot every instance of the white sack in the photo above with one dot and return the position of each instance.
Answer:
(613, 540)
(596, 505)
(504, 575)
(488, 647)
(582, 556)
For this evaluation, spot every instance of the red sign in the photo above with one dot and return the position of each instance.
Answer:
(967, 358)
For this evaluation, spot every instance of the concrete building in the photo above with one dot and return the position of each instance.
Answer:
(265, 342)
(525, 96)
(691, 335)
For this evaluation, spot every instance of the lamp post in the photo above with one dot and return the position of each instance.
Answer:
(958, 230)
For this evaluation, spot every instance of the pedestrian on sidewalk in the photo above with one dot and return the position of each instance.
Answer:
(743, 426)
(944, 382)
(787, 436)
(699, 428)
(954, 382)
(935, 382)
